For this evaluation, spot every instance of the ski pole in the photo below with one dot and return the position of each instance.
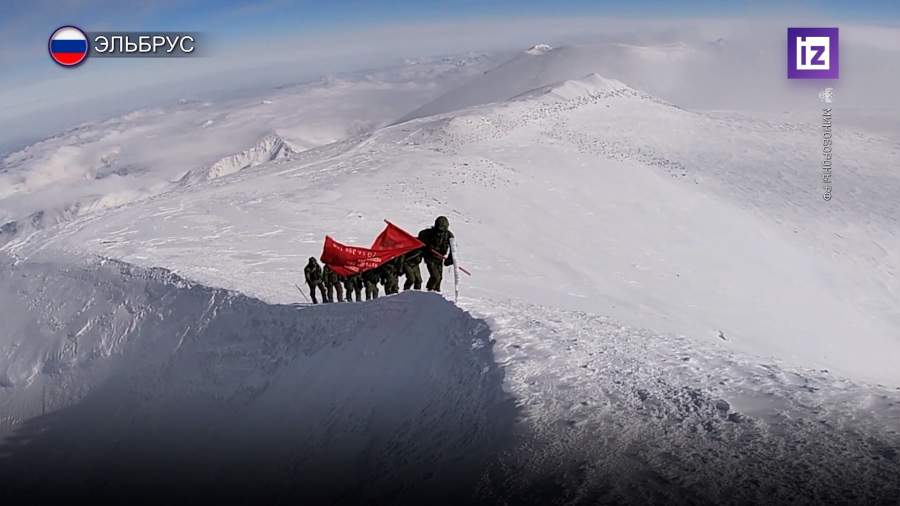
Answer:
(455, 255)
(301, 292)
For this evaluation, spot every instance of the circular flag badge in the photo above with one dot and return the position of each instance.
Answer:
(68, 46)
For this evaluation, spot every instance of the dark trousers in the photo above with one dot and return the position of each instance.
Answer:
(413, 276)
(340, 292)
(371, 290)
(435, 274)
(348, 289)
(312, 292)
(391, 285)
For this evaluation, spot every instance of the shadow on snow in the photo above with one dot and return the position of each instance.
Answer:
(156, 388)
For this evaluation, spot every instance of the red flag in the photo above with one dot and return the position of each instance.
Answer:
(349, 260)
(393, 237)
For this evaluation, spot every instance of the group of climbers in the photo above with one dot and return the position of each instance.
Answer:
(436, 254)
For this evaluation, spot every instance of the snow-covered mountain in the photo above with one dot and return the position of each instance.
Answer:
(543, 65)
(108, 163)
(268, 149)
(729, 72)
(664, 289)
(647, 215)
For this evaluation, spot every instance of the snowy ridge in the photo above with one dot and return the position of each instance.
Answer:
(270, 148)
(544, 66)
(538, 49)
(553, 102)
(590, 85)
(146, 369)
(590, 88)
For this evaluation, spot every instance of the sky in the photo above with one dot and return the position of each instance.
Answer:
(25, 25)
(274, 41)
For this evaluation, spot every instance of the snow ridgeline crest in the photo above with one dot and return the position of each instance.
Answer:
(270, 148)
(589, 89)
(493, 121)
(163, 376)
(539, 49)
(572, 70)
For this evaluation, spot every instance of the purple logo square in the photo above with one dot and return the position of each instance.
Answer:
(812, 53)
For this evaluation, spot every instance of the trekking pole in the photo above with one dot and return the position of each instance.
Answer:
(302, 292)
(455, 256)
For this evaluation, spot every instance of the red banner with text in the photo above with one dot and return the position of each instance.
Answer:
(347, 260)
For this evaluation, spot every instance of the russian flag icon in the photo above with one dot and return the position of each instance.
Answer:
(68, 46)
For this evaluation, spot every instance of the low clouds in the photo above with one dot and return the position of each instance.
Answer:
(112, 161)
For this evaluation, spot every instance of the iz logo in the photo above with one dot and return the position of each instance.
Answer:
(812, 53)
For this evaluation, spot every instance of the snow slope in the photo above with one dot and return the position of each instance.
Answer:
(647, 215)
(139, 383)
(621, 415)
(124, 374)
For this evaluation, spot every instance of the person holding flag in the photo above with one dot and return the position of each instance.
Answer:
(411, 270)
(394, 252)
(437, 246)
